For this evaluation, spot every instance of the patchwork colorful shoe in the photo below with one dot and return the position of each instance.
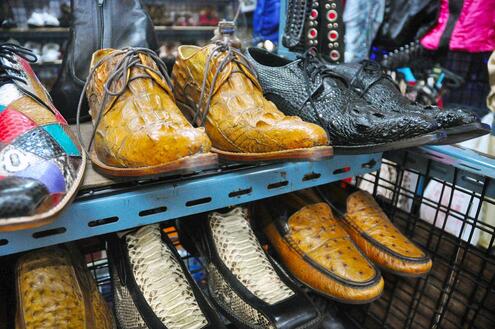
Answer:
(217, 89)
(153, 288)
(374, 233)
(138, 130)
(41, 161)
(314, 247)
(55, 290)
(250, 290)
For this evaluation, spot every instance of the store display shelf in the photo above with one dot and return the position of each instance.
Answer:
(463, 167)
(101, 211)
(35, 33)
(186, 33)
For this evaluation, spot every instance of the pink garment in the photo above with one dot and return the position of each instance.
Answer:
(474, 30)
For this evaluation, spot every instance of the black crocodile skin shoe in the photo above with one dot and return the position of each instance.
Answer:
(369, 81)
(306, 87)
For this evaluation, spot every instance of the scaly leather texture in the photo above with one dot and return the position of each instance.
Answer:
(380, 240)
(113, 24)
(317, 250)
(161, 281)
(56, 291)
(239, 118)
(239, 249)
(126, 313)
(369, 82)
(40, 158)
(230, 301)
(20, 195)
(142, 126)
(242, 281)
(307, 88)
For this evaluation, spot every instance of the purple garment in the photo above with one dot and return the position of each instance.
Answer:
(473, 30)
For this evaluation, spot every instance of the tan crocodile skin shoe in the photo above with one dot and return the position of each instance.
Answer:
(217, 89)
(56, 291)
(316, 249)
(374, 233)
(138, 129)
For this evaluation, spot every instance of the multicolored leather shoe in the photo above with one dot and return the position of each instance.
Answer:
(374, 233)
(41, 161)
(250, 290)
(54, 287)
(217, 88)
(153, 288)
(314, 247)
(138, 130)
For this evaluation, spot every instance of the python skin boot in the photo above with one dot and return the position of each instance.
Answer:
(243, 282)
(152, 287)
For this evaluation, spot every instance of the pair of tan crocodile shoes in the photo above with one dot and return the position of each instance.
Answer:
(147, 123)
(335, 240)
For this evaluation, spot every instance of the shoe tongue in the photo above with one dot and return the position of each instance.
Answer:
(149, 62)
(110, 65)
(231, 68)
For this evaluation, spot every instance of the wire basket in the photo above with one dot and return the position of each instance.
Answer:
(443, 203)
(446, 206)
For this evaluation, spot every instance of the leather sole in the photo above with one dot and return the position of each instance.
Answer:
(302, 154)
(45, 218)
(430, 138)
(465, 132)
(184, 165)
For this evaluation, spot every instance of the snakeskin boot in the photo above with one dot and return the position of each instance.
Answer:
(152, 287)
(249, 289)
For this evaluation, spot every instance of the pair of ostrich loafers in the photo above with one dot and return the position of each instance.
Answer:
(337, 247)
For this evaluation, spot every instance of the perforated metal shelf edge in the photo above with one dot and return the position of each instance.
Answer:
(111, 212)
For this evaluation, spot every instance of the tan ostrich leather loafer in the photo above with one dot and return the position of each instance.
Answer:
(374, 233)
(217, 89)
(56, 291)
(138, 129)
(318, 251)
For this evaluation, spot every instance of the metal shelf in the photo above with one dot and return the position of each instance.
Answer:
(97, 212)
(181, 33)
(442, 162)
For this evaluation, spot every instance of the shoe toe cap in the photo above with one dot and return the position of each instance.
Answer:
(20, 196)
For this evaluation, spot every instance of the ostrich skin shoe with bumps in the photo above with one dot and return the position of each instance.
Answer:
(216, 88)
(374, 233)
(306, 87)
(41, 161)
(138, 128)
(243, 282)
(153, 288)
(316, 249)
(56, 291)
(369, 81)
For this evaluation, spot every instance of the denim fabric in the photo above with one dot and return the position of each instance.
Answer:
(266, 20)
(362, 19)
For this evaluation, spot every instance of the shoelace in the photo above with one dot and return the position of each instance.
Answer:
(313, 68)
(130, 58)
(232, 55)
(8, 51)
(374, 68)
